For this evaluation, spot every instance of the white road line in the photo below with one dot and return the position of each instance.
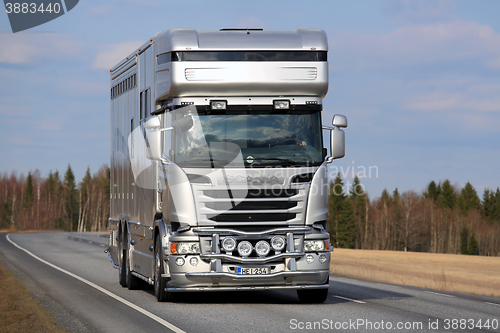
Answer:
(431, 292)
(492, 303)
(91, 242)
(110, 294)
(349, 299)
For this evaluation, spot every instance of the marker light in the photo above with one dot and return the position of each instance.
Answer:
(218, 105)
(262, 248)
(245, 248)
(282, 105)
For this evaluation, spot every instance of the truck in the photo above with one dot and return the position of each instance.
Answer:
(218, 172)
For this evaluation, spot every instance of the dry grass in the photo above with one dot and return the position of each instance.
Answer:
(448, 272)
(18, 311)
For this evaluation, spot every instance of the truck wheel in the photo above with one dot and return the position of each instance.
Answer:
(161, 294)
(132, 282)
(312, 295)
(122, 256)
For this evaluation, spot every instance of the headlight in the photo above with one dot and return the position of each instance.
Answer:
(314, 245)
(278, 243)
(245, 248)
(262, 248)
(229, 244)
(185, 248)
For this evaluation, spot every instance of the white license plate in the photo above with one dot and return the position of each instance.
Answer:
(254, 271)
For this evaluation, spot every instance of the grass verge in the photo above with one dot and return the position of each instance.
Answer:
(18, 311)
(447, 272)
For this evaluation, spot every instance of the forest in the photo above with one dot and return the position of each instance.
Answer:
(55, 203)
(442, 219)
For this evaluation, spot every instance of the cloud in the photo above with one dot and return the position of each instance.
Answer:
(416, 45)
(418, 11)
(110, 55)
(31, 48)
(456, 101)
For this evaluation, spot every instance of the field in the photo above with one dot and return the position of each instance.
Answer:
(447, 272)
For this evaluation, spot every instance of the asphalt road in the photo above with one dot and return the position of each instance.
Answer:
(70, 274)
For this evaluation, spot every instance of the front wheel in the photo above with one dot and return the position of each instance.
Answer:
(161, 294)
(311, 296)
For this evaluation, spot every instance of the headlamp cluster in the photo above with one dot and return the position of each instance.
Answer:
(261, 248)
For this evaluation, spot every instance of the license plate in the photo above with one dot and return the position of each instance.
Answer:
(254, 271)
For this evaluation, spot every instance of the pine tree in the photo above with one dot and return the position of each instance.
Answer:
(358, 198)
(464, 241)
(70, 200)
(346, 226)
(468, 199)
(336, 198)
(433, 191)
(473, 245)
(29, 193)
(447, 198)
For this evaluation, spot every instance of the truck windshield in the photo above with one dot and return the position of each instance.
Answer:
(264, 140)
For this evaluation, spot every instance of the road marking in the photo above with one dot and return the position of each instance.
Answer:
(431, 292)
(349, 299)
(492, 303)
(110, 294)
(91, 242)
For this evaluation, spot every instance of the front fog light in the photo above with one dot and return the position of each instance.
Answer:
(229, 244)
(262, 248)
(322, 258)
(245, 248)
(278, 243)
(193, 261)
(316, 245)
(310, 258)
(179, 261)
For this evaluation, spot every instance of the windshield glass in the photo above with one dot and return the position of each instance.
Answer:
(263, 139)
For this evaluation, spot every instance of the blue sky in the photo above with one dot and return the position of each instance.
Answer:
(418, 80)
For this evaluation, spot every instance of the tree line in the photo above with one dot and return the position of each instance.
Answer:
(442, 219)
(50, 203)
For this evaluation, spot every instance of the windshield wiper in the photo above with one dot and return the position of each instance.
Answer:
(290, 162)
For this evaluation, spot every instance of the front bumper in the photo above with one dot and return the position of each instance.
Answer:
(218, 271)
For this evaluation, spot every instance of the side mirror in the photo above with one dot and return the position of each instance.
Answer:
(153, 138)
(339, 120)
(337, 137)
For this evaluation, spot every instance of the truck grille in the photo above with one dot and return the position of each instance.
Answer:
(253, 217)
(252, 193)
(252, 205)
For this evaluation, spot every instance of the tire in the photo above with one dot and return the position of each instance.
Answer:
(312, 296)
(160, 282)
(122, 258)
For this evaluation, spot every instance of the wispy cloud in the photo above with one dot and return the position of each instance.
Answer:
(418, 44)
(33, 48)
(110, 55)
